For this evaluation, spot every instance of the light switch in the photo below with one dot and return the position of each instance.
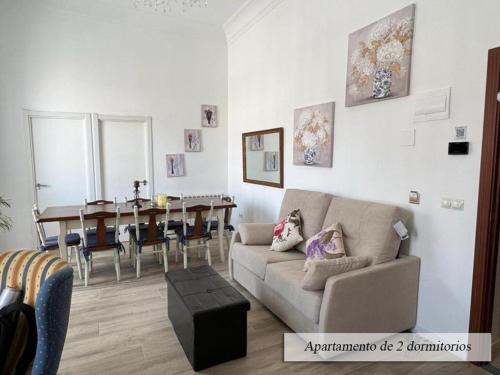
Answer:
(446, 203)
(414, 197)
(457, 204)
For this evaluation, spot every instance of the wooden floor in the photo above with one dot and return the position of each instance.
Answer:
(123, 328)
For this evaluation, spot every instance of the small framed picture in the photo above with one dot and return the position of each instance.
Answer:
(175, 165)
(192, 140)
(209, 117)
(460, 133)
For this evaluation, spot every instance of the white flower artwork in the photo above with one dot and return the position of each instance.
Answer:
(379, 59)
(313, 135)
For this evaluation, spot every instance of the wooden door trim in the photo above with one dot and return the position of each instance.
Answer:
(488, 223)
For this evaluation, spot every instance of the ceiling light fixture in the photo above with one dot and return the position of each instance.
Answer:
(165, 6)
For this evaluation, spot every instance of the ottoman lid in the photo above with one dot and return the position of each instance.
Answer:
(203, 291)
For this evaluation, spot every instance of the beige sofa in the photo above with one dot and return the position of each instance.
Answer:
(379, 298)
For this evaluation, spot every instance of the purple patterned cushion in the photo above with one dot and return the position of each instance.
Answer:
(327, 244)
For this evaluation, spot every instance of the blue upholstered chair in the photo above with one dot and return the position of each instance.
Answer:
(72, 241)
(50, 297)
(97, 237)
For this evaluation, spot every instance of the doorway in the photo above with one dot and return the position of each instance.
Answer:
(488, 215)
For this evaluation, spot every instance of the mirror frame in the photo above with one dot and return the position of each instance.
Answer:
(263, 132)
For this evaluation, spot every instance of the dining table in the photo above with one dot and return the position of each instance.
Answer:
(68, 217)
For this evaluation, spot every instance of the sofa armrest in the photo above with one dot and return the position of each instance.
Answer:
(235, 238)
(256, 233)
(379, 298)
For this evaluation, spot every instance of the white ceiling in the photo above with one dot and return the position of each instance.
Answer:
(193, 20)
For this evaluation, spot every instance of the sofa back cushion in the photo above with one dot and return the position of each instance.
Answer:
(367, 227)
(313, 207)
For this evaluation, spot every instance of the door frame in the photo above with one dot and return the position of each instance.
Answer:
(147, 122)
(488, 213)
(29, 115)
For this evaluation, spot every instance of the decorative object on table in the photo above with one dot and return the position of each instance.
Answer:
(460, 133)
(192, 140)
(313, 135)
(175, 165)
(197, 319)
(167, 6)
(271, 161)
(257, 142)
(254, 163)
(162, 200)
(137, 192)
(327, 244)
(379, 59)
(287, 234)
(5, 221)
(209, 116)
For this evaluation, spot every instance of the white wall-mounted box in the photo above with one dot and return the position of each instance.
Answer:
(432, 105)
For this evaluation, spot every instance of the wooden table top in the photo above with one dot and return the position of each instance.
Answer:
(67, 213)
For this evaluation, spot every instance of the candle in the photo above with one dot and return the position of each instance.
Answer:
(162, 200)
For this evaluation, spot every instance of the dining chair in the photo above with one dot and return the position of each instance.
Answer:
(72, 240)
(228, 228)
(152, 233)
(100, 239)
(196, 232)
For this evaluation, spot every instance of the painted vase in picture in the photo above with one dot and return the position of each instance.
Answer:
(382, 83)
(313, 135)
(209, 116)
(310, 155)
(175, 165)
(379, 59)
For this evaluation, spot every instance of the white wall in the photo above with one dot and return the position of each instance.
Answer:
(296, 56)
(63, 61)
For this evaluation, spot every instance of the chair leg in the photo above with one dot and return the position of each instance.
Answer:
(138, 264)
(185, 254)
(87, 269)
(117, 264)
(78, 263)
(132, 254)
(228, 241)
(164, 247)
(159, 253)
(177, 253)
(69, 249)
(209, 257)
(91, 263)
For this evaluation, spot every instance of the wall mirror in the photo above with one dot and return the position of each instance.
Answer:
(263, 157)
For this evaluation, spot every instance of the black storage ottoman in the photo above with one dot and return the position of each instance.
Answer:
(209, 316)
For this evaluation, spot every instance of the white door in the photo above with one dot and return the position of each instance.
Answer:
(123, 154)
(62, 165)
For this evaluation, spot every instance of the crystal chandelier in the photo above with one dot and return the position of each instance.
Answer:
(165, 6)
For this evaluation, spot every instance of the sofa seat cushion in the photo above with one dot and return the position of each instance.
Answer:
(313, 207)
(285, 278)
(256, 258)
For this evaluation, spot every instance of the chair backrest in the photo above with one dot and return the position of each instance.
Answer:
(99, 217)
(39, 226)
(198, 219)
(98, 202)
(228, 212)
(152, 214)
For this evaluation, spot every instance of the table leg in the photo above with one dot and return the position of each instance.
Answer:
(63, 251)
(220, 234)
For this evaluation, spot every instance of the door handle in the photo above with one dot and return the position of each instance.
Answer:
(39, 186)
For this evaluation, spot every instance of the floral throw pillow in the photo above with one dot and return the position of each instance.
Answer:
(287, 234)
(327, 244)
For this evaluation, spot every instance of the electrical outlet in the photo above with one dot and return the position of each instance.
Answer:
(457, 204)
(446, 202)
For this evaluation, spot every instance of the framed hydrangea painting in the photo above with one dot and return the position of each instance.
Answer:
(313, 135)
(379, 59)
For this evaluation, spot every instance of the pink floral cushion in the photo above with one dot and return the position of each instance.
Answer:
(287, 233)
(327, 244)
